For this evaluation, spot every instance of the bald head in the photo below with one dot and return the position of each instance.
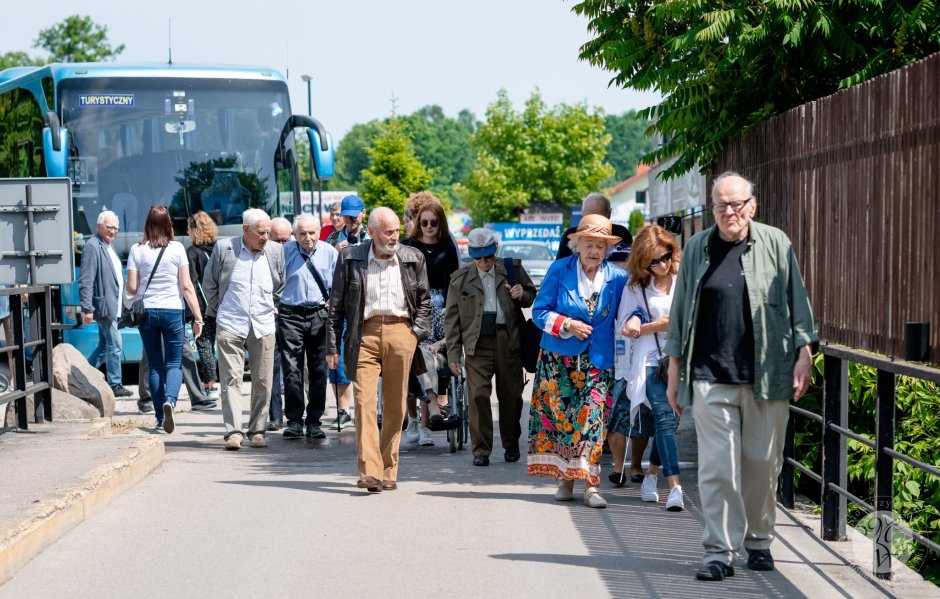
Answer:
(384, 228)
(280, 229)
(595, 203)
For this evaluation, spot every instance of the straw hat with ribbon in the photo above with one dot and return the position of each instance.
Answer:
(594, 225)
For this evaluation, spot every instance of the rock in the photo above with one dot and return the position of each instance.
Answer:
(72, 374)
(64, 407)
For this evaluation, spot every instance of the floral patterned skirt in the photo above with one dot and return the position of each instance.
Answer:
(570, 405)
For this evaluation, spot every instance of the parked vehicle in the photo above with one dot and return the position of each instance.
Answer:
(536, 257)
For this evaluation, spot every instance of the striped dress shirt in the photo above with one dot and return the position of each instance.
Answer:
(385, 295)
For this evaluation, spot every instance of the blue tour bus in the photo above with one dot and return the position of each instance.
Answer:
(213, 138)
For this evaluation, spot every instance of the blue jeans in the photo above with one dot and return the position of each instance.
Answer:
(162, 336)
(665, 450)
(108, 350)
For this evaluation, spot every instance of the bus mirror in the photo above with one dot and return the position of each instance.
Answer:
(52, 121)
(322, 157)
(55, 150)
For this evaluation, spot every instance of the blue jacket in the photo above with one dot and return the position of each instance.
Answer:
(559, 293)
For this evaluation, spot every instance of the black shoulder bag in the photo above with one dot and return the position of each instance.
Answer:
(317, 278)
(530, 335)
(136, 315)
(662, 368)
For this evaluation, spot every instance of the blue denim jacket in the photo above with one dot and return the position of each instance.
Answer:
(559, 293)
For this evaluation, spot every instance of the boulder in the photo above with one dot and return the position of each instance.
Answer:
(64, 407)
(72, 374)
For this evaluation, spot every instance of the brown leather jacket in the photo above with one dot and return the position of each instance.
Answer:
(464, 311)
(348, 301)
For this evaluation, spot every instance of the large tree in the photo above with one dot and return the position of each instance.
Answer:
(77, 39)
(19, 59)
(541, 153)
(724, 66)
(443, 143)
(628, 144)
(395, 171)
(352, 154)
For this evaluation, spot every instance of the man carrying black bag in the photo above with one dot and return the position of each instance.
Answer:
(483, 317)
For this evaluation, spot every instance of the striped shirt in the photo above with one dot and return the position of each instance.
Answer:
(385, 295)
(490, 303)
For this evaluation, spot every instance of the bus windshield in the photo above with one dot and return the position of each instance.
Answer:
(189, 144)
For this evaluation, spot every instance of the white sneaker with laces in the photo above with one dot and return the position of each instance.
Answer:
(424, 437)
(648, 488)
(411, 432)
(675, 503)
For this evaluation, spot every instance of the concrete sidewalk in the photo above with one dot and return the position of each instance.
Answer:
(450, 530)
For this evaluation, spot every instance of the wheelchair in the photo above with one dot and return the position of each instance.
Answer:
(457, 423)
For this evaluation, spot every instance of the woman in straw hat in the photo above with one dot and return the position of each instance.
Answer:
(576, 308)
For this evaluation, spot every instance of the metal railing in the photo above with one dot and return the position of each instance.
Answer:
(38, 302)
(833, 478)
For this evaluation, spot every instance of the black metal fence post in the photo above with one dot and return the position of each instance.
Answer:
(835, 408)
(884, 475)
(19, 358)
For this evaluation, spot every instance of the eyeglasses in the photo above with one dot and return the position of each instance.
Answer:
(112, 228)
(429, 223)
(720, 207)
(667, 257)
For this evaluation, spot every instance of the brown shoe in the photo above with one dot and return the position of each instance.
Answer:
(389, 485)
(370, 483)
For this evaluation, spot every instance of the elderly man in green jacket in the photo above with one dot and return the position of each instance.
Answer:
(740, 336)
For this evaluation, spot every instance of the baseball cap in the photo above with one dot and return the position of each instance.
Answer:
(352, 205)
(482, 243)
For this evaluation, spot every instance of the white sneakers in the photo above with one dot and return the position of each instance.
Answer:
(674, 502)
(592, 498)
(648, 490)
(411, 432)
(424, 437)
(565, 490)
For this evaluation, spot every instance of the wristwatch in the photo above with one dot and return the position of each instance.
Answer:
(566, 326)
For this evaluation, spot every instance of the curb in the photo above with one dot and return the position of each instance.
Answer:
(52, 518)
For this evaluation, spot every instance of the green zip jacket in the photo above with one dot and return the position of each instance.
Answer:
(780, 309)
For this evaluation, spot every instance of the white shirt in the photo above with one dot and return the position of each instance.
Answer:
(248, 304)
(385, 295)
(490, 303)
(119, 275)
(164, 290)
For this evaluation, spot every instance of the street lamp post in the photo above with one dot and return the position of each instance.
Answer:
(307, 79)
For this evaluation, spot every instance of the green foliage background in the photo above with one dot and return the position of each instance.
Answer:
(917, 429)
(395, 172)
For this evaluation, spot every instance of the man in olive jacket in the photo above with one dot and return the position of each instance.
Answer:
(740, 336)
(380, 289)
(483, 317)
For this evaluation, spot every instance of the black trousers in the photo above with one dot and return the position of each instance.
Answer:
(301, 335)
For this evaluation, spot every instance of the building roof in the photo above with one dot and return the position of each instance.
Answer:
(641, 171)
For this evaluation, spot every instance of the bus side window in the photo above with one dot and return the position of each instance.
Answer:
(21, 123)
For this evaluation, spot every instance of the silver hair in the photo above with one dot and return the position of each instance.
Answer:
(105, 214)
(728, 174)
(253, 216)
(574, 243)
(336, 206)
(600, 199)
(304, 218)
(380, 213)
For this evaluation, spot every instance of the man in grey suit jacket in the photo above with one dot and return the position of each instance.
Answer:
(100, 287)
(243, 283)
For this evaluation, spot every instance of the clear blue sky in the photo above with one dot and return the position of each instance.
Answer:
(360, 53)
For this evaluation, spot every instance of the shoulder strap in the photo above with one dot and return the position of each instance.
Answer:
(510, 271)
(316, 276)
(153, 270)
(659, 350)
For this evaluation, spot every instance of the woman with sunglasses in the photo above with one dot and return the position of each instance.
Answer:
(643, 318)
(429, 234)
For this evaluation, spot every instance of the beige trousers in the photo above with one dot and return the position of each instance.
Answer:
(231, 351)
(386, 349)
(740, 453)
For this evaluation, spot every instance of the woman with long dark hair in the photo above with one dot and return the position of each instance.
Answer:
(158, 273)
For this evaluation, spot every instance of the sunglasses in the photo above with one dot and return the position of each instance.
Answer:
(667, 257)
(429, 223)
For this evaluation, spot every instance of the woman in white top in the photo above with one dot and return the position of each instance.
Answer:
(163, 294)
(643, 317)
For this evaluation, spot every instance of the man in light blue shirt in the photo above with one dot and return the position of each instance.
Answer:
(302, 316)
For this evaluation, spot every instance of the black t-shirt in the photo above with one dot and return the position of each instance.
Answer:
(442, 260)
(619, 230)
(724, 333)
